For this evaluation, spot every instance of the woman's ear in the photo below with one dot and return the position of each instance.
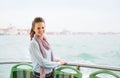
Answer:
(33, 30)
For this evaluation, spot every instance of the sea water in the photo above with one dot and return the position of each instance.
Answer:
(97, 49)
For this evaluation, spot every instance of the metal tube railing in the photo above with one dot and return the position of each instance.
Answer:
(14, 62)
(78, 66)
(96, 67)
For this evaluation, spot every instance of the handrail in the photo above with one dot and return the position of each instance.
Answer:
(15, 62)
(78, 65)
(96, 67)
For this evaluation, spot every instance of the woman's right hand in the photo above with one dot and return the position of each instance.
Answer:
(62, 62)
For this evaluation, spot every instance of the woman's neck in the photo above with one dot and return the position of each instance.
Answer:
(40, 37)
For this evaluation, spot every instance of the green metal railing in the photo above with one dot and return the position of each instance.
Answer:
(71, 72)
(18, 71)
(94, 74)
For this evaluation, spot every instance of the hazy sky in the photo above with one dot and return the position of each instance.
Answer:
(73, 15)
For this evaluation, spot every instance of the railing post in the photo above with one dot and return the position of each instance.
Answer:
(78, 67)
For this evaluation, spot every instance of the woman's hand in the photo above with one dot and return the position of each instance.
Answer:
(62, 62)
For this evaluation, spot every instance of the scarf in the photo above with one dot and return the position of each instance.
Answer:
(43, 44)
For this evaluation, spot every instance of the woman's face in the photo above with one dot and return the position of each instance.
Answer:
(39, 28)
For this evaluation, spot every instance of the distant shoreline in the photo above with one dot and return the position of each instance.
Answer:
(14, 31)
(68, 33)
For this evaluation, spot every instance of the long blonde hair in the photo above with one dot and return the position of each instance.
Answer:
(36, 20)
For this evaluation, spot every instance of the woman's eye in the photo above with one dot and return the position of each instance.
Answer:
(42, 27)
(38, 28)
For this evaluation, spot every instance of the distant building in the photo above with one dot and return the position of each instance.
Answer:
(13, 31)
(7, 31)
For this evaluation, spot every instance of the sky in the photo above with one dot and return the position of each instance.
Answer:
(59, 15)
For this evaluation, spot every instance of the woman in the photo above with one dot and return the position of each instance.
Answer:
(41, 54)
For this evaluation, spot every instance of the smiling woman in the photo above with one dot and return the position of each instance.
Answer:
(41, 53)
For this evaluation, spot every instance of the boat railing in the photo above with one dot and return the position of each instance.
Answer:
(78, 66)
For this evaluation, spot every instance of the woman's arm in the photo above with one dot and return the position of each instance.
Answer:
(36, 54)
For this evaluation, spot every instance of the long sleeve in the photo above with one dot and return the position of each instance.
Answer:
(37, 56)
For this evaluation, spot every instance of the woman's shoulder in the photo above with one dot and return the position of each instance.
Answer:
(33, 41)
(33, 44)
